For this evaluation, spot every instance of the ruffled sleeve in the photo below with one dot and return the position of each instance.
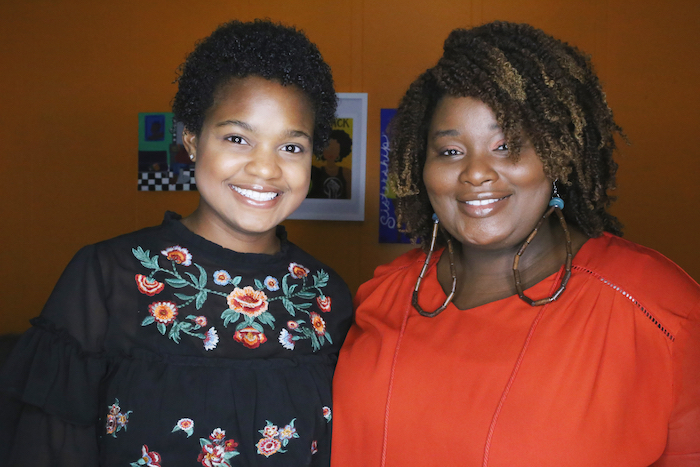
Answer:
(52, 379)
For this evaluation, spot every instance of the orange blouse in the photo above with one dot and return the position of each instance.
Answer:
(608, 375)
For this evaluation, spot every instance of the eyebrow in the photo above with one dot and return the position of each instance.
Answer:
(246, 126)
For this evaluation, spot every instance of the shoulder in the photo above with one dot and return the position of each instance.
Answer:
(642, 275)
(390, 276)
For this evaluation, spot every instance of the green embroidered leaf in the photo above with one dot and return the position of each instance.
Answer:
(306, 295)
(201, 298)
(257, 327)
(144, 258)
(259, 285)
(176, 282)
(292, 289)
(302, 306)
(328, 336)
(202, 275)
(203, 442)
(285, 287)
(241, 326)
(174, 333)
(161, 328)
(229, 316)
(184, 297)
(267, 318)
(191, 317)
(147, 320)
(314, 342)
(321, 279)
(289, 306)
(195, 281)
(236, 280)
(197, 334)
(184, 326)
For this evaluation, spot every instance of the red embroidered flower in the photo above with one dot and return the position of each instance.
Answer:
(248, 301)
(230, 445)
(292, 324)
(318, 323)
(163, 312)
(297, 270)
(151, 459)
(217, 435)
(148, 286)
(178, 254)
(314, 447)
(114, 409)
(111, 424)
(201, 320)
(250, 337)
(324, 303)
(268, 446)
(270, 431)
(212, 455)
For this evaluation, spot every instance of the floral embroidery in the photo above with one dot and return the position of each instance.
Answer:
(163, 312)
(217, 450)
(298, 271)
(275, 439)
(186, 425)
(211, 339)
(286, 339)
(250, 337)
(324, 303)
(116, 419)
(272, 284)
(248, 306)
(314, 447)
(178, 255)
(148, 458)
(148, 286)
(222, 277)
(327, 413)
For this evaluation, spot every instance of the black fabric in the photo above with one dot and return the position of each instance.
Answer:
(97, 350)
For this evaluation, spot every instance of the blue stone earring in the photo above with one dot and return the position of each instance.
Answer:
(556, 201)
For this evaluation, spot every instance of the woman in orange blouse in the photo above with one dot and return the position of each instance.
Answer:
(528, 333)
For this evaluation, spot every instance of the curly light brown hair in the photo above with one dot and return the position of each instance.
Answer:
(537, 86)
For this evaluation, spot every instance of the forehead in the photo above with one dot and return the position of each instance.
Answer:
(457, 112)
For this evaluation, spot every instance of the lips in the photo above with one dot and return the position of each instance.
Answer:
(484, 202)
(486, 205)
(255, 195)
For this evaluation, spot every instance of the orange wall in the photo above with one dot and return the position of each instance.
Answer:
(75, 74)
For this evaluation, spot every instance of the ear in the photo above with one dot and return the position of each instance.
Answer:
(189, 140)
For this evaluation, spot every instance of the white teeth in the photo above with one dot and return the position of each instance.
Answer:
(482, 202)
(255, 195)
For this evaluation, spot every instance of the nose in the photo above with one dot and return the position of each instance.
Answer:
(478, 169)
(264, 163)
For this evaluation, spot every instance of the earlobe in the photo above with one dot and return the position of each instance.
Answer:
(189, 140)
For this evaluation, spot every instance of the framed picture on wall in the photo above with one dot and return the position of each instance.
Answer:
(337, 190)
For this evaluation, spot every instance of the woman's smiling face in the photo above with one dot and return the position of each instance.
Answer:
(482, 196)
(253, 158)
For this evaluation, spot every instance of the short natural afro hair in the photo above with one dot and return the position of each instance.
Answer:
(536, 86)
(258, 48)
(344, 141)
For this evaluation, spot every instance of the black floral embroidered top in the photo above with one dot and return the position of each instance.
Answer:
(160, 348)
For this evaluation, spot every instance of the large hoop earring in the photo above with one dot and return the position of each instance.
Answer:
(556, 204)
(433, 314)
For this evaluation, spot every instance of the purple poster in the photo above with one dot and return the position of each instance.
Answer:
(388, 230)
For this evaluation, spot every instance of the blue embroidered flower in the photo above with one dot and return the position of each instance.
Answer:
(286, 339)
(272, 284)
(222, 277)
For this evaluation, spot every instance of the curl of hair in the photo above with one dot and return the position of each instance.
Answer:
(345, 142)
(537, 86)
(258, 48)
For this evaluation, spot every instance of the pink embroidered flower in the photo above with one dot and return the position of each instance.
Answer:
(268, 446)
(272, 284)
(314, 447)
(148, 286)
(111, 424)
(250, 337)
(286, 339)
(248, 301)
(150, 459)
(297, 270)
(178, 254)
(327, 413)
(221, 277)
(211, 340)
(163, 312)
(292, 324)
(324, 303)
(200, 321)
(270, 431)
(318, 323)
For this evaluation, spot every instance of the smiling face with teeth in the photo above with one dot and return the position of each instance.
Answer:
(253, 163)
(483, 197)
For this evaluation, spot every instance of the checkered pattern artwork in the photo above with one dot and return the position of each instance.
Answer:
(167, 181)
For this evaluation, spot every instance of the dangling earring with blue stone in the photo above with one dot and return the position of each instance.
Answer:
(556, 204)
(420, 310)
